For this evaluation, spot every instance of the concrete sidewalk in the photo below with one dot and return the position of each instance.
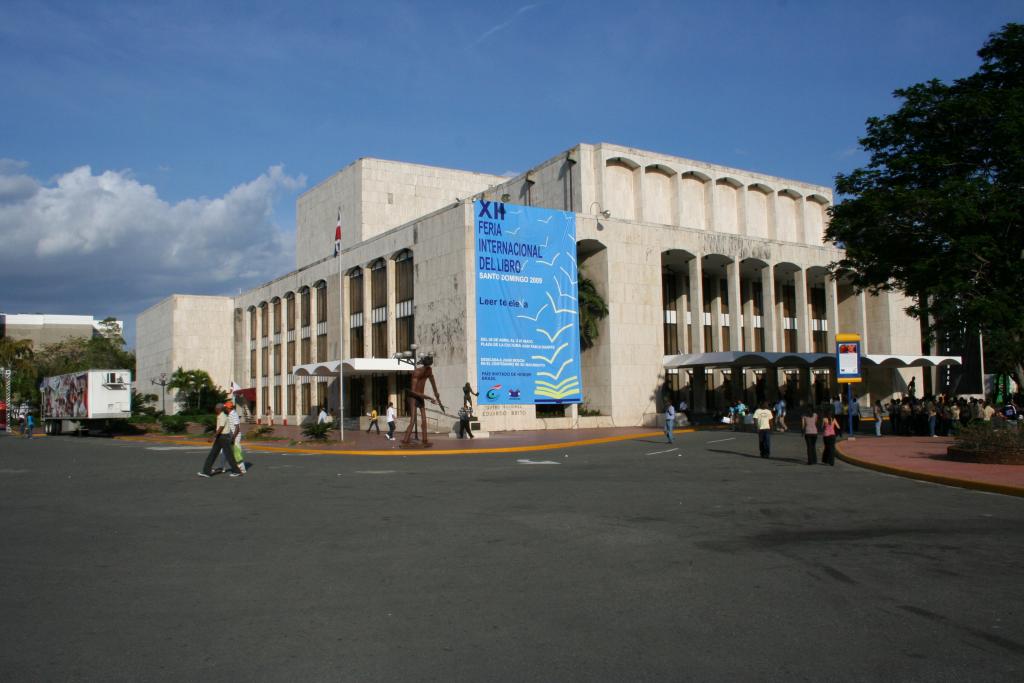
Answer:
(925, 458)
(361, 443)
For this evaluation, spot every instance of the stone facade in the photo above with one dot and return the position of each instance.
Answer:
(691, 257)
(190, 332)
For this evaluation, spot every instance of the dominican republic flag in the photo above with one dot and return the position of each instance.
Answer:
(337, 235)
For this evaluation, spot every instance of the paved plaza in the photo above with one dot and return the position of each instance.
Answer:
(623, 561)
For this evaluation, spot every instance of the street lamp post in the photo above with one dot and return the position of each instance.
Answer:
(410, 358)
(6, 372)
(162, 383)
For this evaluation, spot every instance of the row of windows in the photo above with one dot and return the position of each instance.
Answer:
(273, 311)
(378, 342)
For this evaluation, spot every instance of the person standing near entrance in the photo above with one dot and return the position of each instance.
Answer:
(780, 415)
(763, 419)
(809, 426)
(465, 413)
(670, 421)
(878, 412)
(391, 422)
(855, 412)
(829, 430)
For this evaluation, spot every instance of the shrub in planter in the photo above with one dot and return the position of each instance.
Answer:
(261, 432)
(173, 424)
(993, 443)
(208, 422)
(316, 430)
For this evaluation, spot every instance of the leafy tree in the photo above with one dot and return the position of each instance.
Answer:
(937, 212)
(196, 390)
(593, 310)
(143, 404)
(17, 355)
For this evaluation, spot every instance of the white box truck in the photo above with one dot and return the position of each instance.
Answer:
(80, 401)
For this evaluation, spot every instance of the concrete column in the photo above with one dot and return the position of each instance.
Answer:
(801, 206)
(367, 315)
(696, 296)
(716, 314)
(682, 306)
(700, 403)
(780, 328)
(862, 322)
(771, 384)
(768, 318)
(772, 206)
(677, 193)
(806, 387)
(747, 288)
(741, 210)
(735, 305)
(803, 318)
(392, 293)
(711, 189)
(679, 306)
(640, 176)
(261, 381)
(831, 313)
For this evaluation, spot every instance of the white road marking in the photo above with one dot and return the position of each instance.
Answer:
(537, 462)
(671, 450)
(176, 448)
(375, 471)
(731, 438)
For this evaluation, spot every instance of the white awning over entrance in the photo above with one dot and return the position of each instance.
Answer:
(779, 360)
(353, 366)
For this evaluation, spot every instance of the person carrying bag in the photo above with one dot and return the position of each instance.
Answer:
(829, 430)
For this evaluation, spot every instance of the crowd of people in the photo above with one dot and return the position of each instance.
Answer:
(935, 416)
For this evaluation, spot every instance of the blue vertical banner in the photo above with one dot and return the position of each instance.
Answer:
(527, 313)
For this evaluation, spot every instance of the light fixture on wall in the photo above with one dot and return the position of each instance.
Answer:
(505, 197)
(604, 213)
(408, 357)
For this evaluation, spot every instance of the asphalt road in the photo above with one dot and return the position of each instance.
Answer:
(622, 562)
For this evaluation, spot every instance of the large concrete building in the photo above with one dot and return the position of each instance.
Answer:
(715, 278)
(45, 328)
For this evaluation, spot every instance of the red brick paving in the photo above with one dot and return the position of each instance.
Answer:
(925, 458)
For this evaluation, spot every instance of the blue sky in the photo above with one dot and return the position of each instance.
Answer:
(201, 122)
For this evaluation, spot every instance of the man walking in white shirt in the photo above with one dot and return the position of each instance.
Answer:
(390, 436)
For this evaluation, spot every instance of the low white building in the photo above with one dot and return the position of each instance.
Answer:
(715, 278)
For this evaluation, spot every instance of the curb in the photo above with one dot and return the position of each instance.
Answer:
(417, 452)
(933, 478)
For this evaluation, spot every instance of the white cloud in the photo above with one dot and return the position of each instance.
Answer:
(107, 244)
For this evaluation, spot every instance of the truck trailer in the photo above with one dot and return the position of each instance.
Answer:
(85, 400)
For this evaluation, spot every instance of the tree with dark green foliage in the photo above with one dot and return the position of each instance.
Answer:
(197, 392)
(103, 351)
(593, 310)
(17, 356)
(937, 212)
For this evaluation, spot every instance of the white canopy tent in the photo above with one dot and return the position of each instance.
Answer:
(353, 366)
(759, 359)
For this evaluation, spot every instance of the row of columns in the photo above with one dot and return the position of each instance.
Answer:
(741, 311)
